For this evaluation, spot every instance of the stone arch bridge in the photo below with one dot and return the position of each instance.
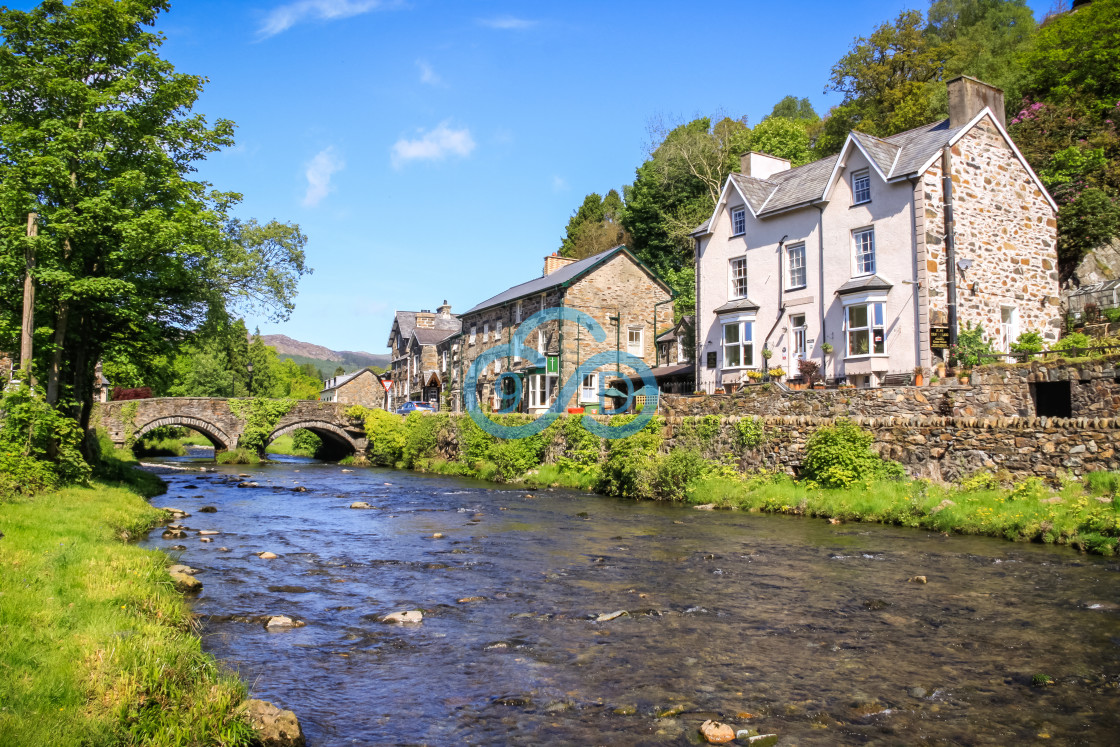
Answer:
(128, 420)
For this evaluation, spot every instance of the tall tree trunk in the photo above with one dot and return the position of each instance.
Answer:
(56, 356)
(28, 328)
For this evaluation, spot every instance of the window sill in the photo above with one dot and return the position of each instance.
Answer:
(857, 204)
(793, 288)
(865, 356)
(737, 235)
(862, 275)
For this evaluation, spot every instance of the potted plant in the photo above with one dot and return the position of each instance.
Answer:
(919, 375)
(934, 380)
(776, 373)
(754, 375)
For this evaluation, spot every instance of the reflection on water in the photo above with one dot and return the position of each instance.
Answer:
(811, 629)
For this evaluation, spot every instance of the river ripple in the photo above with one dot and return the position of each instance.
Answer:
(812, 629)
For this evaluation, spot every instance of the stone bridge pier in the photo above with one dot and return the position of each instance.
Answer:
(213, 417)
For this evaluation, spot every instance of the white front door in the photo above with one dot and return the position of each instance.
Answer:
(1008, 327)
(797, 335)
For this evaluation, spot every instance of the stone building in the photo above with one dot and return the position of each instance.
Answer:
(415, 367)
(361, 387)
(629, 302)
(852, 251)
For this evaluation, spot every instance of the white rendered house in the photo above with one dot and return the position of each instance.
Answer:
(852, 250)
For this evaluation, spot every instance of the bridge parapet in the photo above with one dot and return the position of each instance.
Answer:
(127, 421)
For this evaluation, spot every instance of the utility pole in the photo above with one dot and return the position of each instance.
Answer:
(28, 299)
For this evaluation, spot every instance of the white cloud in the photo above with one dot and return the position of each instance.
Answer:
(559, 184)
(507, 23)
(319, 172)
(434, 145)
(286, 16)
(427, 74)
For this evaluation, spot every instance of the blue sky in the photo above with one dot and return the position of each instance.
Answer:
(435, 150)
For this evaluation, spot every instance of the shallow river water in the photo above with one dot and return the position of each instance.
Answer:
(787, 625)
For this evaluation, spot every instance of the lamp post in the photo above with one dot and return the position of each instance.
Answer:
(249, 368)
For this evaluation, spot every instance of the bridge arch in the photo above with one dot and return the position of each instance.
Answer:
(336, 439)
(217, 436)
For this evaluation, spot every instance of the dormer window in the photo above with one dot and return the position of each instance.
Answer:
(738, 221)
(861, 186)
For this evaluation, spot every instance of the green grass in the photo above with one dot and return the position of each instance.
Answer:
(556, 476)
(286, 445)
(978, 507)
(96, 646)
(194, 438)
(160, 447)
(239, 456)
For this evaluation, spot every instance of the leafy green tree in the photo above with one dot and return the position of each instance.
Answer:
(595, 227)
(98, 137)
(791, 107)
(782, 137)
(883, 78)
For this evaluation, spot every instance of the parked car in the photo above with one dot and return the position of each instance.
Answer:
(409, 407)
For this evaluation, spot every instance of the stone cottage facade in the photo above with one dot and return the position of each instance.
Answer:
(629, 302)
(415, 367)
(358, 388)
(852, 250)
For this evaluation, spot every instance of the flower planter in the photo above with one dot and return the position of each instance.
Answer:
(919, 380)
(575, 410)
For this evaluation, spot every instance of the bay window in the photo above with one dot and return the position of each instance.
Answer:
(738, 344)
(866, 330)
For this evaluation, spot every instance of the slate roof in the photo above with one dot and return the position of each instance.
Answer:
(896, 156)
(336, 381)
(547, 282)
(867, 283)
(701, 229)
(739, 304)
(671, 334)
(426, 336)
(406, 323)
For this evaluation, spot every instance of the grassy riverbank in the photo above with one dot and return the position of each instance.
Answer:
(96, 646)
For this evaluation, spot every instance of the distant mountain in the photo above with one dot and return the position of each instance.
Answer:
(325, 359)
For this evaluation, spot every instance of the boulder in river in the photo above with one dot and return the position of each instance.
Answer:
(705, 507)
(409, 617)
(208, 510)
(360, 504)
(174, 534)
(608, 616)
(716, 732)
(180, 568)
(275, 727)
(283, 621)
(185, 582)
(918, 579)
(266, 555)
(208, 532)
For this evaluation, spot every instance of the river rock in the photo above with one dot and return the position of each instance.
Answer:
(243, 474)
(283, 621)
(275, 727)
(360, 504)
(174, 534)
(208, 510)
(437, 535)
(763, 740)
(705, 507)
(176, 512)
(299, 489)
(223, 549)
(179, 547)
(468, 600)
(266, 555)
(180, 568)
(409, 617)
(208, 532)
(247, 485)
(716, 732)
(942, 506)
(917, 579)
(185, 582)
(205, 539)
(608, 616)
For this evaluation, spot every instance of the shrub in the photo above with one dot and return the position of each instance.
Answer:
(838, 455)
(38, 446)
(261, 416)
(623, 472)
(421, 436)
(306, 442)
(1075, 341)
(385, 433)
(670, 474)
(971, 347)
(750, 433)
(1103, 483)
(809, 370)
(1028, 342)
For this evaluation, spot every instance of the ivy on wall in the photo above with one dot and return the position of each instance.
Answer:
(261, 416)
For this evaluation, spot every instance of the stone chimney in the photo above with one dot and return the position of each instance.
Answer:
(444, 310)
(425, 319)
(761, 165)
(968, 97)
(554, 262)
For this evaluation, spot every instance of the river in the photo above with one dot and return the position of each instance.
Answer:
(786, 625)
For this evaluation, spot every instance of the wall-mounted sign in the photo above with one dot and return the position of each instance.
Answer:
(711, 360)
(553, 364)
(938, 338)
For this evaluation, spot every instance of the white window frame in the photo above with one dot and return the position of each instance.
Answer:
(876, 318)
(540, 341)
(863, 253)
(737, 277)
(541, 389)
(443, 360)
(498, 331)
(473, 330)
(861, 186)
(517, 313)
(744, 346)
(589, 388)
(486, 332)
(797, 250)
(497, 366)
(1009, 330)
(738, 221)
(799, 334)
(640, 348)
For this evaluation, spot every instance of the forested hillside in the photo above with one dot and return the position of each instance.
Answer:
(1061, 81)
